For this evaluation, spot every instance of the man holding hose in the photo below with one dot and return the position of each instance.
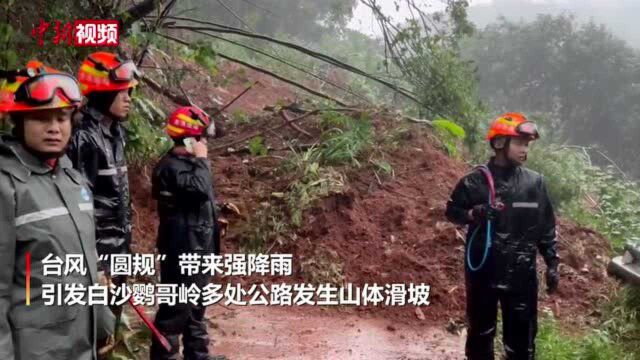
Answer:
(510, 215)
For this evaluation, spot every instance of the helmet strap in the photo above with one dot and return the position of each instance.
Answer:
(501, 147)
(500, 143)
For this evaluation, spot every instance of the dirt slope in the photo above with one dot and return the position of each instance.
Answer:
(385, 231)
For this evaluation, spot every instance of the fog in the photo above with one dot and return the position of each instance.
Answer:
(620, 16)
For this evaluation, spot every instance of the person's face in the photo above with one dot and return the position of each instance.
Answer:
(48, 131)
(121, 104)
(518, 150)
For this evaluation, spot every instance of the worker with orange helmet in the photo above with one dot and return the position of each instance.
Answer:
(97, 150)
(510, 217)
(46, 209)
(183, 187)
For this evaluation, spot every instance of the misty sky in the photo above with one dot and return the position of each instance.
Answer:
(620, 16)
(364, 21)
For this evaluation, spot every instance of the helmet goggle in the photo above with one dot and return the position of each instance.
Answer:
(124, 72)
(210, 129)
(41, 89)
(528, 129)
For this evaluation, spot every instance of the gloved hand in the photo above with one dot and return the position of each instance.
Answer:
(484, 212)
(553, 279)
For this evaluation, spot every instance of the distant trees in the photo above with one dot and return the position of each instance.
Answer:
(581, 78)
(305, 19)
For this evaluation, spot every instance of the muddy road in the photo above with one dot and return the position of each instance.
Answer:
(259, 332)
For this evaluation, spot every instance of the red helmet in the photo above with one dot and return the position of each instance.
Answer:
(38, 87)
(103, 71)
(513, 124)
(189, 121)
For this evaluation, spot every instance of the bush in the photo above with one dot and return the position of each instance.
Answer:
(564, 170)
(146, 141)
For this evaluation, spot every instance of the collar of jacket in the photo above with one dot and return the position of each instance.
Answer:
(96, 118)
(185, 157)
(501, 172)
(31, 163)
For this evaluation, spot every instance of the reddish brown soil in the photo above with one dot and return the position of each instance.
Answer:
(393, 231)
(206, 90)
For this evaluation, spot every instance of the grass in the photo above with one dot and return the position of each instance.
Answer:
(257, 146)
(617, 336)
(345, 142)
(554, 344)
(239, 117)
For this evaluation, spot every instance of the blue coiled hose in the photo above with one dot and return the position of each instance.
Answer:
(488, 240)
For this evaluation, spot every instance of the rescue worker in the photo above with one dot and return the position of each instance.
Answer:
(520, 221)
(97, 150)
(183, 187)
(46, 208)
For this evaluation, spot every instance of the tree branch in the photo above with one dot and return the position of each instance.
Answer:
(182, 101)
(294, 126)
(223, 108)
(264, 71)
(320, 56)
(258, 133)
(233, 13)
(137, 12)
(299, 68)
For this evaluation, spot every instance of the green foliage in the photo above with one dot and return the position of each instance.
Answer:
(202, 53)
(8, 55)
(332, 119)
(564, 172)
(312, 182)
(5, 125)
(239, 117)
(145, 139)
(623, 319)
(346, 145)
(266, 225)
(553, 344)
(450, 134)
(594, 197)
(149, 110)
(618, 212)
(617, 337)
(257, 146)
(383, 167)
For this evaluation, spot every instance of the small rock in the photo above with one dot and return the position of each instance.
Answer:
(245, 161)
(419, 314)
(231, 150)
(391, 328)
(393, 239)
(440, 225)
